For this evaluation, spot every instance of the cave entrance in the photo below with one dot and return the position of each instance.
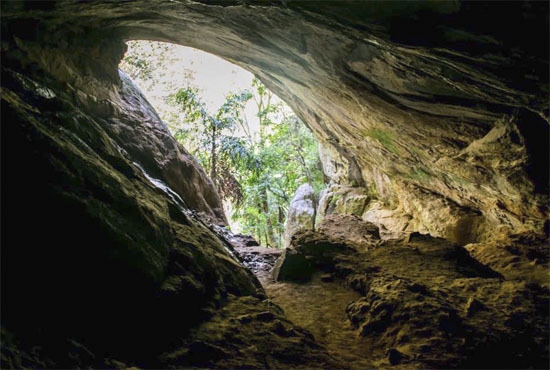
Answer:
(252, 145)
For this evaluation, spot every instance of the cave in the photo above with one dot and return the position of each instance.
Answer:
(429, 248)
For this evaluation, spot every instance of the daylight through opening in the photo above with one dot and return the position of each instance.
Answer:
(250, 143)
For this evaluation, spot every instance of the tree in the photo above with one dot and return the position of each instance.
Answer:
(256, 162)
(211, 138)
(287, 156)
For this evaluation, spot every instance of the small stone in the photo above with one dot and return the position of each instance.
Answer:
(395, 357)
(327, 278)
(473, 306)
(265, 316)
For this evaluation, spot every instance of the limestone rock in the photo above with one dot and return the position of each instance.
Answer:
(258, 259)
(393, 223)
(106, 239)
(523, 257)
(351, 228)
(301, 212)
(433, 303)
(249, 333)
(292, 266)
(444, 120)
(442, 115)
(342, 200)
(309, 251)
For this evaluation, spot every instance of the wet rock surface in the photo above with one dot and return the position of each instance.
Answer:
(259, 260)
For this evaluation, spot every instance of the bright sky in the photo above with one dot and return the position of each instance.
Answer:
(175, 66)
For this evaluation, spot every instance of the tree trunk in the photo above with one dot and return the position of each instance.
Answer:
(213, 159)
(265, 208)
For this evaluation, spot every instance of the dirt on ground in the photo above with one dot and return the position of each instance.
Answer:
(320, 307)
(418, 302)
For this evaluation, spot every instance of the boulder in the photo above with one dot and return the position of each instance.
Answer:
(301, 212)
(347, 200)
(351, 228)
(309, 251)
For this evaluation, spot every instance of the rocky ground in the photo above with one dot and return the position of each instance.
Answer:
(416, 302)
(430, 120)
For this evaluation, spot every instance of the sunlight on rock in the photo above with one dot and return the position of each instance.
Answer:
(284, 185)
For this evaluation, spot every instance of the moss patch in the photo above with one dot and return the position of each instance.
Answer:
(384, 137)
(419, 174)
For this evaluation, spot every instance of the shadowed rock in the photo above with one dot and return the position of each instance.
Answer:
(439, 116)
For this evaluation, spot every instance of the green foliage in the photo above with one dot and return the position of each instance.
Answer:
(258, 174)
(143, 64)
(138, 68)
(256, 160)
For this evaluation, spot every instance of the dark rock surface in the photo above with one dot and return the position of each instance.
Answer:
(259, 260)
(438, 112)
(425, 303)
(94, 244)
(432, 302)
(112, 250)
(243, 241)
(315, 250)
(249, 333)
(309, 251)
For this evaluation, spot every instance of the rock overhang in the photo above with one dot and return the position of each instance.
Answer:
(452, 111)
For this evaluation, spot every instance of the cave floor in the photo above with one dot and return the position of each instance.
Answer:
(422, 302)
(319, 307)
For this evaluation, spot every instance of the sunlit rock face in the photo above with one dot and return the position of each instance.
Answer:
(301, 212)
(442, 114)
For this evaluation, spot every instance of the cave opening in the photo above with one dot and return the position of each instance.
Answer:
(254, 148)
(430, 243)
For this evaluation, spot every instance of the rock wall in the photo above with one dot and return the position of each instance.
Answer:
(96, 247)
(108, 224)
(449, 110)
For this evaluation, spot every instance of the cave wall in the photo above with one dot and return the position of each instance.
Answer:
(110, 245)
(450, 109)
(438, 116)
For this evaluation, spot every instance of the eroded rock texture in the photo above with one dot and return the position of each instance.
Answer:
(96, 249)
(430, 118)
(425, 302)
(440, 113)
(301, 212)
